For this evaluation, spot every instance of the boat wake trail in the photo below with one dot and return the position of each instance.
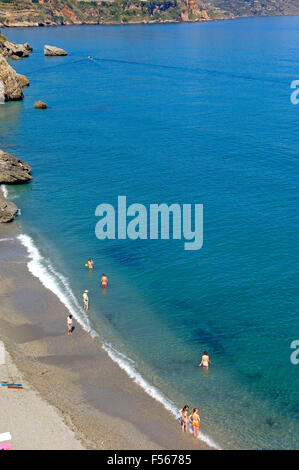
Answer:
(196, 71)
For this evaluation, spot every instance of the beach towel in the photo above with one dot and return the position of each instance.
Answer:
(5, 447)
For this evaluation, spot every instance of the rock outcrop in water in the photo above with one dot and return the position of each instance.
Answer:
(12, 50)
(54, 51)
(40, 105)
(10, 85)
(13, 170)
(8, 210)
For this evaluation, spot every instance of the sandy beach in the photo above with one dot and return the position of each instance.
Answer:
(32, 423)
(72, 390)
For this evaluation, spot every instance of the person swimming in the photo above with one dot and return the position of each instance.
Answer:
(104, 280)
(205, 360)
(184, 418)
(90, 263)
(195, 421)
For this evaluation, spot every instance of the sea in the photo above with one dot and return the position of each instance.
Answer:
(198, 113)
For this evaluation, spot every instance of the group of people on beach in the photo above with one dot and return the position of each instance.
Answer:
(104, 284)
(194, 418)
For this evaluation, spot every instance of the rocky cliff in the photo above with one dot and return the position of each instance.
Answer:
(68, 12)
(10, 82)
(10, 85)
(12, 50)
(8, 210)
(13, 170)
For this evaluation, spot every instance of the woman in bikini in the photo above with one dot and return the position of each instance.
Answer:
(195, 421)
(205, 360)
(184, 418)
(90, 263)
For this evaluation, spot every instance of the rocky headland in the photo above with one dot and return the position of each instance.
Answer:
(13, 170)
(11, 83)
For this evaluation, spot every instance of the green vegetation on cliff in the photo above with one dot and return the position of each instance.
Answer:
(51, 12)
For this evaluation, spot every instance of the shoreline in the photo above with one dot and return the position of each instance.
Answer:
(100, 403)
(144, 23)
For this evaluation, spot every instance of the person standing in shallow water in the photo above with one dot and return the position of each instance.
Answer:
(85, 300)
(184, 418)
(104, 280)
(69, 322)
(205, 361)
(90, 263)
(195, 421)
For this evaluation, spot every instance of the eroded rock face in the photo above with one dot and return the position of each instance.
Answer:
(13, 170)
(8, 210)
(15, 51)
(184, 16)
(54, 51)
(23, 80)
(9, 81)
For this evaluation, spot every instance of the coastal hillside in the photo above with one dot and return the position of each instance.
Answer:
(70, 12)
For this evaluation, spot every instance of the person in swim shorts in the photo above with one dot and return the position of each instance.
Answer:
(69, 322)
(195, 421)
(205, 361)
(104, 280)
(85, 300)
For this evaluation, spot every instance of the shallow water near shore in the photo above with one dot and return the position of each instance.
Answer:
(175, 114)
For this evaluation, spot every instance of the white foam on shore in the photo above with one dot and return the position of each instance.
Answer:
(58, 284)
(129, 367)
(55, 282)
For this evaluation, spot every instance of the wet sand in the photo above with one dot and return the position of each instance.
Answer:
(98, 402)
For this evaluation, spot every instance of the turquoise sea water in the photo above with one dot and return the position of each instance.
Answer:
(182, 113)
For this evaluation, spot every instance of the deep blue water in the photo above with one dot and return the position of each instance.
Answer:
(182, 113)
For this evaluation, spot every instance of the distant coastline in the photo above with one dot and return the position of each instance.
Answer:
(43, 13)
(136, 23)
